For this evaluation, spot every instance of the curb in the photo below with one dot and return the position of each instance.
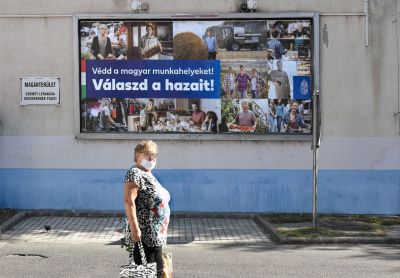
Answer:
(12, 221)
(276, 237)
(266, 227)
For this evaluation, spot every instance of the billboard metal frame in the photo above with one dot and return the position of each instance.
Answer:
(314, 16)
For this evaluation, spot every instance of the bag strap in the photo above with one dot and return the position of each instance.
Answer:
(142, 254)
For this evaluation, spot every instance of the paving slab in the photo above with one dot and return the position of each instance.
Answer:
(182, 230)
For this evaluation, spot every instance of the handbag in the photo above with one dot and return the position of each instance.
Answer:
(145, 270)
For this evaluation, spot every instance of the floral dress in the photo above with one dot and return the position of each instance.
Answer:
(152, 209)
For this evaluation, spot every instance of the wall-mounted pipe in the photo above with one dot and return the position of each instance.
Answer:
(366, 12)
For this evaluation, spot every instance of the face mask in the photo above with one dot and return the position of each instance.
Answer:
(149, 165)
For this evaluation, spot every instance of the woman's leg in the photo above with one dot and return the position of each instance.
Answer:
(279, 122)
(159, 260)
(153, 254)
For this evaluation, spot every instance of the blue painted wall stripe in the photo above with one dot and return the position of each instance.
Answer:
(364, 191)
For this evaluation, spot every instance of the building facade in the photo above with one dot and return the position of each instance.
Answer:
(46, 164)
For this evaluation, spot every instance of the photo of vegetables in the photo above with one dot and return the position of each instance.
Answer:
(231, 113)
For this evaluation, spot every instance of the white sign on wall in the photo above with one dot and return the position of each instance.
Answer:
(40, 90)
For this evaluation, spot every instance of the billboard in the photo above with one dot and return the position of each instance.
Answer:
(196, 76)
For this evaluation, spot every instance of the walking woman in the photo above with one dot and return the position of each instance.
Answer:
(146, 206)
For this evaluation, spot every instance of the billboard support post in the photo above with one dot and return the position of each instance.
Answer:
(316, 121)
(315, 159)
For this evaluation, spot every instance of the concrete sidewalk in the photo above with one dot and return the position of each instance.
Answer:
(182, 230)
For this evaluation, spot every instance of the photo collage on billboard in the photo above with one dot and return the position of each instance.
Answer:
(263, 69)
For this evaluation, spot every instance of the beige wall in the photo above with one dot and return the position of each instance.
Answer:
(36, 47)
(174, 6)
(359, 85)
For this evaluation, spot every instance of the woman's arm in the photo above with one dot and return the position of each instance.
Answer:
(142, 118)
(95, 47)
(212, 126)
(286, 119)
(287, 83)
(204, 126)
(300, 122)
(131, 191)
(160, 45)
(108, 49)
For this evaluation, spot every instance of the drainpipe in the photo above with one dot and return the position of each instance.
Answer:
(366, 13)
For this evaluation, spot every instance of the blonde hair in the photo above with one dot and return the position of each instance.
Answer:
(144, 146)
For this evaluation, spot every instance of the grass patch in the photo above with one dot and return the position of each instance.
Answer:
(335, 225)
(379, 220)
(306, 217)
(288, 218)
(309, 232)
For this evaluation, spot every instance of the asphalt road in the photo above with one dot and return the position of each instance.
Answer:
(203, 260)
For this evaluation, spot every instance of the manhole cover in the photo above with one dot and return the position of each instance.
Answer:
(28, 255)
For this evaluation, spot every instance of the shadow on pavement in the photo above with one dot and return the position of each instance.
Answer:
(171, 240)
(380, 252)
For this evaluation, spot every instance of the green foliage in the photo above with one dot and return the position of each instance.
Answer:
(262, 124)
(309, 232)
(290, 225)
(229, 110)
(127, 246)
(288, 218)
(86, 56)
